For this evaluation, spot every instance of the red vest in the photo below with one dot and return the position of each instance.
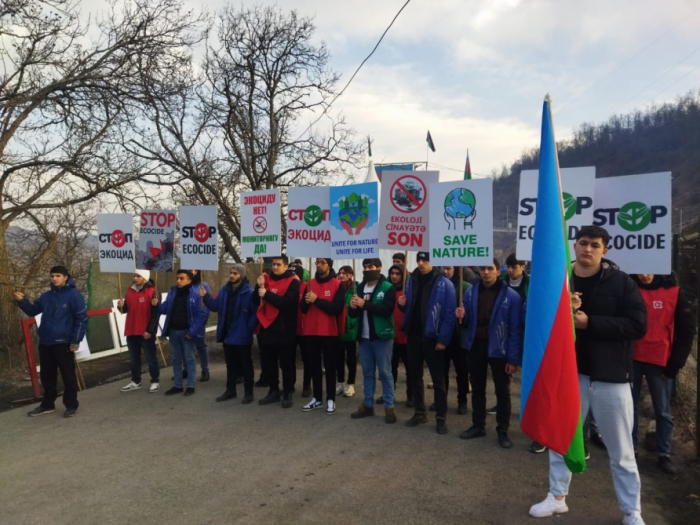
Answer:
(300, 316)
(399, 336)
(318, 322)
(138, 310)
(266, 312)
(655, 347)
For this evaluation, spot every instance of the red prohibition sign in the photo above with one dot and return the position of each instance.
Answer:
(408, 199)
(259, 224)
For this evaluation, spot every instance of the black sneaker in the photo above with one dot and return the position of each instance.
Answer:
(287, 401)
(441, 426)
(462, 409)
(667, 465)
(504, 440)
(586, 451)
(40, 411)
(416, 420)
(247, 398)
(272, 396)
(473, 432)
(226, 396)
(597, 440)
(70, 412)
(536, 448)
(174, 390)
(493, 410)
(262, 382)
(189, 391)
(204, 377)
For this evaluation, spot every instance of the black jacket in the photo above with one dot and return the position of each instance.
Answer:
(283, 329)
(616, 317)
(683, 323)
(385, 309)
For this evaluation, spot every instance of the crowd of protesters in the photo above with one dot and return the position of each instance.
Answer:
(627, 328)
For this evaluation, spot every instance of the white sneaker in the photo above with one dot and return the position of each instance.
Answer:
(549, 507)
(330, 408)
(632, 519)
(349, 390)
(154, 388)
(339, 389)
(312, 405)
(131, 386)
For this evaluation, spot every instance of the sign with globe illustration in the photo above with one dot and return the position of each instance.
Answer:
(461, 222)
(354, 220)
(578, 187)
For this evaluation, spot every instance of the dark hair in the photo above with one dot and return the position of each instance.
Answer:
(495, 263)
(297, 261)
(512, 260)
(400, 256)
(347, 269)
(187, 273)
(376, 262)
(284, 258)
(60, 269)
(594, 232)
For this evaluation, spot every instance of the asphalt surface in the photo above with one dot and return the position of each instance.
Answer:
(147, 458)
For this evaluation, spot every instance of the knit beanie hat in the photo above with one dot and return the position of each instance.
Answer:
(143, 273)
(240, 268)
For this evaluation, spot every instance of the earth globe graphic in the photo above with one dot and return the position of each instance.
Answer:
(460, 208)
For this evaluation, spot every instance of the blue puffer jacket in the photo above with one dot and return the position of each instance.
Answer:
(64, 315)
(197, 313)
(244, 322)
(505, 328)
(440, 312)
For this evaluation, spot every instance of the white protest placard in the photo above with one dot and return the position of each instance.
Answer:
(83, 350)
(199, 238)
(578, 188)
(403, 217)
(636, 212)
(115, 235)
(354, 221)
(308, 221)
(156, 240)
(261, 229)
(461, 223)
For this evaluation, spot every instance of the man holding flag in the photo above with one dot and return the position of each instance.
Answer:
(608, 315)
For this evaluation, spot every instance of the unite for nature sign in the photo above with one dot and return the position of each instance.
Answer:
(578, 189)
(156, 240)
(636, 212)
(261, 223)
(199, 238)
(403, 221)
(308, 221)
(115, 235)
(461, 222)
(354, 221)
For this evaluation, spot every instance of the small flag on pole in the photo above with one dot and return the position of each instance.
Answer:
(369, 146)
(431, 145)
(550, 401)
(467, 169)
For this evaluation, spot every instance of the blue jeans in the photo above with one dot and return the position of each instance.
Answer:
(377, 355)
(660, 390)
(182, 348)
(203, 350)
(135, 343)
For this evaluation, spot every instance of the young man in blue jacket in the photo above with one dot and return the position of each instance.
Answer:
(63, 323)
(201, 344)
(234, 328)
(184, 326)
(492, 314)
(428, 321)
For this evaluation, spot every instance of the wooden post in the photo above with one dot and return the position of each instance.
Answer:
(119, 287)
(79, 374)
(405, 270)
(262, 301)
(354, 278)
(162, 356)
(310, 258)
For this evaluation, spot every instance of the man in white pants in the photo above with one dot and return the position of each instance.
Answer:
(609, 315)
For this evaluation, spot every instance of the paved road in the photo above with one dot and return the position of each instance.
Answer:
(146, 458)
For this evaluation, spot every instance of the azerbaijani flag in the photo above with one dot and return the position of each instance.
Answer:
(550, 402)
(467, 169)
(429, 140)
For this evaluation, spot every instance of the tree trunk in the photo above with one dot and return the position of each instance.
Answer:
(11, 338)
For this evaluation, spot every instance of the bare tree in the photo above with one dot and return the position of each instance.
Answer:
(67, 93)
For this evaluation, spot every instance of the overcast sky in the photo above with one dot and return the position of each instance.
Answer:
(474, 72)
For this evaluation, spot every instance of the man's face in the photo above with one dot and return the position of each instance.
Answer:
(58, 279)
(449, 271)
(368, 267)
(278, 266)
(424, 266)
(322, 267)
(138, 280)
(646, 278)
(183, 280)
(589, 251)
(489, 274)
(515, 271)
(395, 276)
(397, 261)
(234, 276)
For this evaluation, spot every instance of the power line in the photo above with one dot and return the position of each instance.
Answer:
(356, 71)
